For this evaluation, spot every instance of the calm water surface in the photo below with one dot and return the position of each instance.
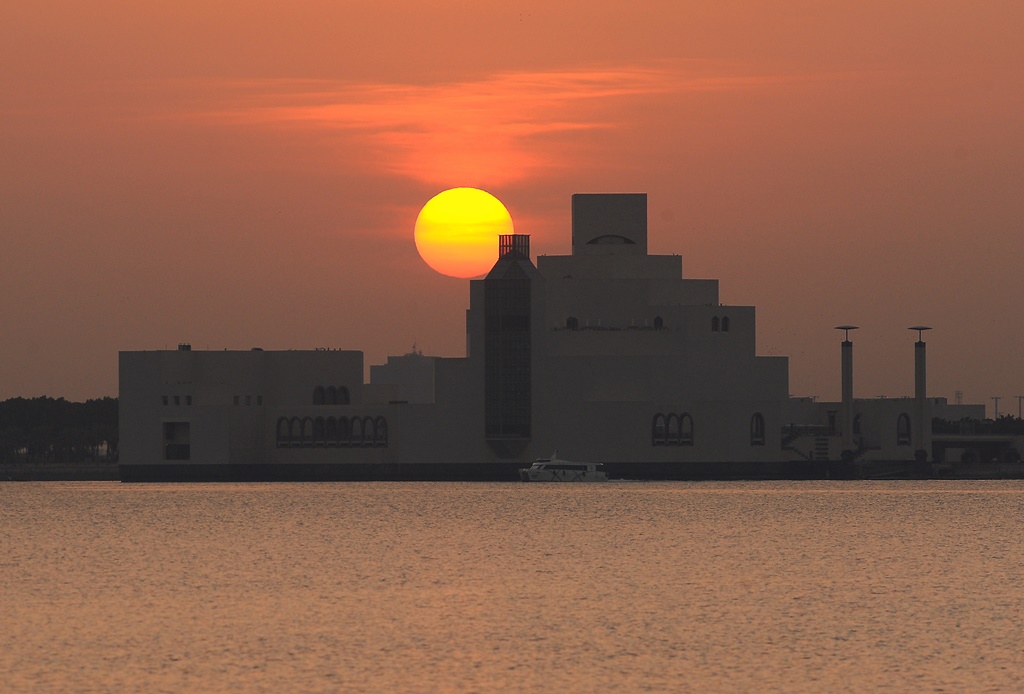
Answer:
(902, 586)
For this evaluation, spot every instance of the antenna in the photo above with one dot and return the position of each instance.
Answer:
(920, 331)
(846, 331)
(1020, 398)
(996, 399)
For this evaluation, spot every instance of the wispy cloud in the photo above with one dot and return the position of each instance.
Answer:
(493, 130)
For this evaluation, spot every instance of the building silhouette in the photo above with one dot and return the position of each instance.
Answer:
(608, 354)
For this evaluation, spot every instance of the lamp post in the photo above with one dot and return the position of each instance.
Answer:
(996, 399)
(846, 352)
(922, 441)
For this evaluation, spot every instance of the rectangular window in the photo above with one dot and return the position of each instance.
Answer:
(164, 399)
(237, 399)
(177, 441)
(248, 400)
(259, 399)
(188, 400)
(177, 399)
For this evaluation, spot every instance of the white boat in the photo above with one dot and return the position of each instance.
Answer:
(554, 469)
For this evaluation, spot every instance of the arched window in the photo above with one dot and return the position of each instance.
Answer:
(685, 429)
(295, 432)
(344, 432)
(903, 429)
(356, 437)
(342, 397)
(672, 432)
(369, 431)
(382, 432)
(307, 431)
(658, 430)
(725, 324)
(714, 324)
(331, 396)
(757, 429)
(331, 432)
(318, 395)
(658, 323)
(319, 432)
(572, 323)
(284, 432)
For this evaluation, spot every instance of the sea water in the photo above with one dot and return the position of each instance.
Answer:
(427, 587)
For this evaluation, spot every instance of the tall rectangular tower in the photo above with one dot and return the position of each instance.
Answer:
(508, 373)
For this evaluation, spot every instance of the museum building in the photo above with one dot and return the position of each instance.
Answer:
(609, 355)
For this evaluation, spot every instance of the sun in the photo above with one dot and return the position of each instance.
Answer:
(457, 231)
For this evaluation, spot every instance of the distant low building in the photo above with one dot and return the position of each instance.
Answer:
(412, 374)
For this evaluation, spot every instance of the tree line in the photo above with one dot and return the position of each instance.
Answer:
(48, 430)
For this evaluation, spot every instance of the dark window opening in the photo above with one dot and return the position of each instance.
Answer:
(672, 429)
(725, 324)
(714, 324)
(685, 430)
(319, 395)
(903, 429)
(306, 439)
(658, 323)
(382, 432)
(284, 432)
(611, 240)
(572, 323)
(658, 430)
(177, 441)
(757, 429)
(332, 432)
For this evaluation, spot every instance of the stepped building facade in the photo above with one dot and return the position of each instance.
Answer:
(609, 354)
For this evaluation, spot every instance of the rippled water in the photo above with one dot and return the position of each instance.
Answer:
(479, 587)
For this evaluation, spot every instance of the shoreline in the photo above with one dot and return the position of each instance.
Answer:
(59, 472)
(113, 472)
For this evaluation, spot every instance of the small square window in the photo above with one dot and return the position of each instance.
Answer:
(177, 399)
(188, 400)
(237, 399)
(164, 398)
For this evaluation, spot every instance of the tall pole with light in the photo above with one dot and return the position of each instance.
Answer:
(922, 432)
(847, 387)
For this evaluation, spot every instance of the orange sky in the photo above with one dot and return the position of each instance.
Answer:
(248, 173)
